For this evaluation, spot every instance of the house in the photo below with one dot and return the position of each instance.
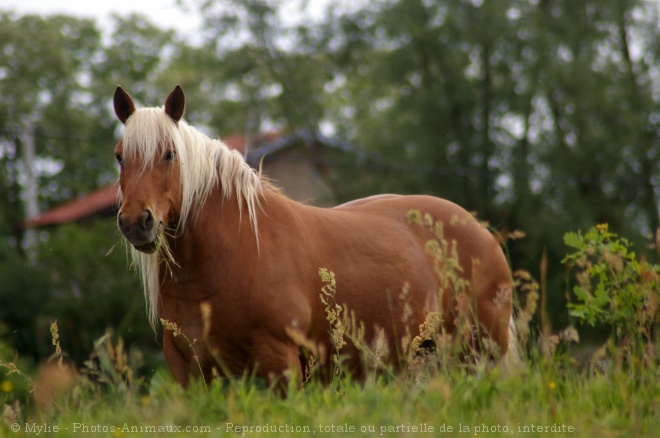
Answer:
(299, 163)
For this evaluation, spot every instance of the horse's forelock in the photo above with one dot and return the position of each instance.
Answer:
(146, 130)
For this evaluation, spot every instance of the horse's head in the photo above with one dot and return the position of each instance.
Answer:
(150, 173)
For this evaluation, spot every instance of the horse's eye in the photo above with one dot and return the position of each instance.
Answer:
(119, 159)
(169, 156)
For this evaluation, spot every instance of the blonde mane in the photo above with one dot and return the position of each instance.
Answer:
(205, 164)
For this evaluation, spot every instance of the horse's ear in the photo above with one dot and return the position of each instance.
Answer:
(124, 106)
(175, 104)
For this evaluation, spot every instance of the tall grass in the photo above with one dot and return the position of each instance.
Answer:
(613, 394)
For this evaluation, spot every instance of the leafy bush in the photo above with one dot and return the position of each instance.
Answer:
(614, 287)
(76, 281)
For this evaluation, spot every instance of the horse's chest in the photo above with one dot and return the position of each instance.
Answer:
(180, 279)
(181, 287)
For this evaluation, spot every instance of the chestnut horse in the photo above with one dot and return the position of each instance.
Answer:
(208, 231)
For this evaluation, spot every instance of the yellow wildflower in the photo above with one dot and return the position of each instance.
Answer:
(6, 386)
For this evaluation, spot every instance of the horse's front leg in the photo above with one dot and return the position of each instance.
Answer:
(277, 362)
(178, 365)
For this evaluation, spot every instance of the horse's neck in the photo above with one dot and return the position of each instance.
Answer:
(218, 235)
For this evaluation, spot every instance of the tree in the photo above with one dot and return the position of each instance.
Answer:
(54, 73)
(51, 54)
(260, 73)
(540, 116)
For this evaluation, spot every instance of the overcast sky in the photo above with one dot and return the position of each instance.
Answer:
(163, 13)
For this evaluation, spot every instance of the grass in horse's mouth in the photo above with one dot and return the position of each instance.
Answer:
(149, 248)
(152, 247)
(163, 245)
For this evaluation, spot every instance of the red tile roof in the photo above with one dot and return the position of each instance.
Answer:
(76, 209)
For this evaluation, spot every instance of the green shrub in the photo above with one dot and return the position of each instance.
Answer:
(614, 288)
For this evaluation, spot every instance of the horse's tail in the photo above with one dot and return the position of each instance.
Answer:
(512, 360)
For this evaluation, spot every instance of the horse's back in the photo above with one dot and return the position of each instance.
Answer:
(367, 200)
(395, 214)
(395, 203)
(399, 208)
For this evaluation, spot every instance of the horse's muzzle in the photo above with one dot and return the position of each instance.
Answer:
(140, 231)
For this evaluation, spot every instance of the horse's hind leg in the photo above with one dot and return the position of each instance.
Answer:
(492, 329)
(512, 361)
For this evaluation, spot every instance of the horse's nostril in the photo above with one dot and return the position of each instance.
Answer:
(147, 220)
